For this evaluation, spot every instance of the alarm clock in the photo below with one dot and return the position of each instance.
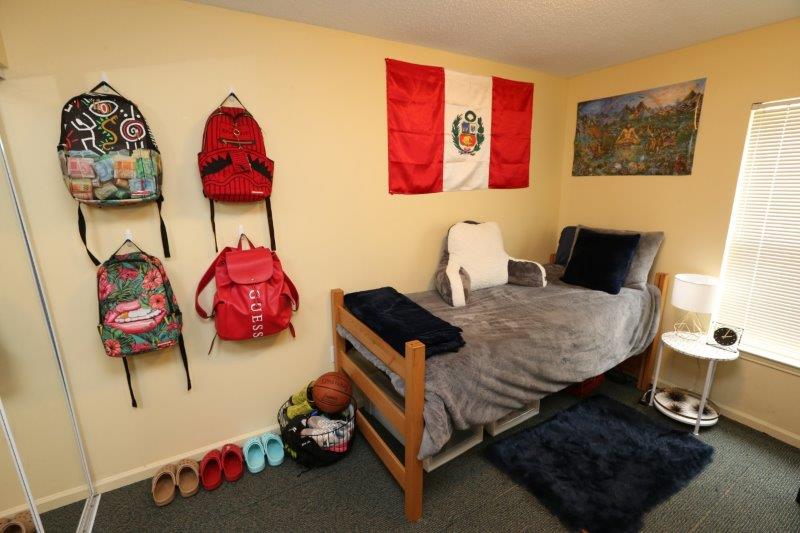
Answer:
(725, 336)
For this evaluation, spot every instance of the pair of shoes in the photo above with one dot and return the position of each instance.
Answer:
(300, 409)
(268, 445)
(331, 435)
(302, 402)
(19, 523)
(304, 395)
(184, 476)
(216, 464)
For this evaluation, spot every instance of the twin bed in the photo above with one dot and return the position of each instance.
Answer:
(522, 343)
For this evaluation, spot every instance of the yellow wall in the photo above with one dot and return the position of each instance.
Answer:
(3, 60)
(694, 211)
(320, 96)
(29, 382)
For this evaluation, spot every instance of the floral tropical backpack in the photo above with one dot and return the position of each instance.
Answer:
(138, 309)
(108, 155)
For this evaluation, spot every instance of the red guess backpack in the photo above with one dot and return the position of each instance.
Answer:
(254, 297)
(234, 166)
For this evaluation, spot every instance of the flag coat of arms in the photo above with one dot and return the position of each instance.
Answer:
(450, 131)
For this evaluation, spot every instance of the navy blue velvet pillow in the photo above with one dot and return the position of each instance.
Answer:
(565, 245)
(601, 261)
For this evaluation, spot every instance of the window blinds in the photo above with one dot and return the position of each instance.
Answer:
(761, 267)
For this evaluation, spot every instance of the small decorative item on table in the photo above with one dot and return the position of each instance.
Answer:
(685, 406)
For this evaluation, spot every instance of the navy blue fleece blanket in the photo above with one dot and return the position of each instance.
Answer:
(396, 319)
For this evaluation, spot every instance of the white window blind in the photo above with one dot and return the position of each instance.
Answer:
(761, 267)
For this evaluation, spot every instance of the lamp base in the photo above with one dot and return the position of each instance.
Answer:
(689, 327)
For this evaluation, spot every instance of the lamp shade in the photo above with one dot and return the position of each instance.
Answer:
(695, 293)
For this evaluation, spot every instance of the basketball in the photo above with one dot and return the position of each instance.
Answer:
(332, 392)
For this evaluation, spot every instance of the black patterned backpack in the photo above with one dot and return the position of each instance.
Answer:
(108, 155)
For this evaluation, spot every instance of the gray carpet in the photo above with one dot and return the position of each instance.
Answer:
(64, 518)
(750, 486)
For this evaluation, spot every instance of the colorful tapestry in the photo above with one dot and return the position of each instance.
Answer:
(450, 131)
(651, 132)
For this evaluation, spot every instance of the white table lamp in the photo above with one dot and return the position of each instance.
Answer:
(695, 294)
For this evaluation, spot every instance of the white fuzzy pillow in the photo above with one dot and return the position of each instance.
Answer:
(474, 258)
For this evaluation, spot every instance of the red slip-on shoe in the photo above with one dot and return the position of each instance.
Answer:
(211, 470)
(232, 462)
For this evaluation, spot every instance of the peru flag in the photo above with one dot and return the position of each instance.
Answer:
(450, 131)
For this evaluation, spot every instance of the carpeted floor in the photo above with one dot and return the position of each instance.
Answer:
(750, 486)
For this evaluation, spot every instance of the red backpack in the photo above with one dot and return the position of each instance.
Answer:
(233, 163)
(254, 297)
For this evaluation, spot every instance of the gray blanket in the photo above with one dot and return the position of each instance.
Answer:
(523, 343)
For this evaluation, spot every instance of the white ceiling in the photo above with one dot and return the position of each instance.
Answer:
(565, 37)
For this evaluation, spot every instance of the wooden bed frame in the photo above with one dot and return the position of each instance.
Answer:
(408, 421)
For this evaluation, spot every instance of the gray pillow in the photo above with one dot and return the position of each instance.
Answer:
(643, 258)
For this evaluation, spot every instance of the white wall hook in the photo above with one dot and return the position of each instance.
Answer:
(231, 89)
(128, 235)
(104, 76)
(241, 230)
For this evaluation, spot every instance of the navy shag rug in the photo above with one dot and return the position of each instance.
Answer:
(601, 465)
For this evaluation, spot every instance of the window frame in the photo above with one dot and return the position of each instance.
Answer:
(754, 350)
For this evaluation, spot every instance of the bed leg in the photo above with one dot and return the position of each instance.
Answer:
(414, 402)
(337, 300)
(646, 370)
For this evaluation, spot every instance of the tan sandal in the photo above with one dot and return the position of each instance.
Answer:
(188, 476)
(20, 523)
(163, 486)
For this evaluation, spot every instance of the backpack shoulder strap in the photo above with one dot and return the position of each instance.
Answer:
(204, 281)
(272, 244)
(82, 233)
(292, 292)
(164, 237)
(130, 387)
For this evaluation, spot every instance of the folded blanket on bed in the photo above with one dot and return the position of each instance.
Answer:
(397, 319)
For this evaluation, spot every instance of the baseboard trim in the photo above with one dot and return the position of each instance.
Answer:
(143, 472)
(72, 495)
(51, 501)
(751, 421)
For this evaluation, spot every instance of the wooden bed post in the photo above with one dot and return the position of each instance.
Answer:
(407, 420)
(337, 300)
(646, 371)
(414, 402)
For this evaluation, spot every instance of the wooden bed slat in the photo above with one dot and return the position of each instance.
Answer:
(381, 400)
(382, 449)
(374, 344)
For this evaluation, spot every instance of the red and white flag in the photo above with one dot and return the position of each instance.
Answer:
(450, 131)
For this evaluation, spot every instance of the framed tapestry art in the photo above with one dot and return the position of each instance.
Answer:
(651, 132)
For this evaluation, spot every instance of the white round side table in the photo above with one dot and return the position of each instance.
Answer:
(699, 349)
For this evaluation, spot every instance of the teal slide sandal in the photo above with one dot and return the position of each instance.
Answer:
(273, 445)
(254, 455)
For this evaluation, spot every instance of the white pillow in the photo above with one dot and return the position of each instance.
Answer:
(474, 258)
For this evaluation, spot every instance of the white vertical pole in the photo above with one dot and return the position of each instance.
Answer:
(17, 460)
(656, 370)
(706, 388)
(92, 499)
